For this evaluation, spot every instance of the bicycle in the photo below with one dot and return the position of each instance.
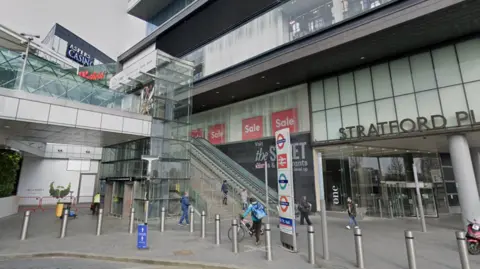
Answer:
(243, 228)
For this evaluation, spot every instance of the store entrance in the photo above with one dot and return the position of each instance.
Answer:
(380, 180)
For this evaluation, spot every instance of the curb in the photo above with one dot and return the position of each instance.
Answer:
(187, 264)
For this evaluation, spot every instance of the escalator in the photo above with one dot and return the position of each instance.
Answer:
(236, 176)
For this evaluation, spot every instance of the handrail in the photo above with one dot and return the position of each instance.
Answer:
(237, 168)
(232, 179)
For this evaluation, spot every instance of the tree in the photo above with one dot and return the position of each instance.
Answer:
(9, 165)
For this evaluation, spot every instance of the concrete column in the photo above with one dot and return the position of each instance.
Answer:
(475, 152)
(465, 177)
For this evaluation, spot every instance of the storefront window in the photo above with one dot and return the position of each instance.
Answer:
(381, 181)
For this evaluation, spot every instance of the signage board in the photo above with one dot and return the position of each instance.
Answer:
(285, 119)
(216, 134)
(196, 133)
(252, 128)
(92, 76)
(142, 233)
(78, 55)
(286, 195)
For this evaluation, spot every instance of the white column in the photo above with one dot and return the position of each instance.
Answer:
(465, 177)
(475, 152)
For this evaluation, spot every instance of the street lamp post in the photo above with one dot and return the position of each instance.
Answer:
(29, 38)
(149, 159)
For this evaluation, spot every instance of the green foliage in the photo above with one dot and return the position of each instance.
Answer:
(9, 165)
(60, 191)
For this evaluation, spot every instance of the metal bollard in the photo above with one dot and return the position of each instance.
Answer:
(268, 241)
(380, 206)
(162, 220)
(462, 249)
(412, 261)
(26, 219)
(99, 221)
(202, 228)
(311, 245)
(63, 228)
(132, 221)
(234, 235)
(217, 229)
(359, 247)
(390, 209)
(191, 219)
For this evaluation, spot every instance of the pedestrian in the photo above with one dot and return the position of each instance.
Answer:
(304, 207)
(244, 196)
(225, 192)
(96, 203)
(257, 211)
(185, 204)
(352, 213)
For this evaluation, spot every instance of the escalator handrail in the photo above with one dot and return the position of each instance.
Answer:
(236, 168)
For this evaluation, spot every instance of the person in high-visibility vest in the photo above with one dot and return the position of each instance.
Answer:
(96, 203)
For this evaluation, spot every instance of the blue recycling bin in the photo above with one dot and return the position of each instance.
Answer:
(142, 235)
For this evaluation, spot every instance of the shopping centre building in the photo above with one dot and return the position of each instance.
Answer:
(369, 89)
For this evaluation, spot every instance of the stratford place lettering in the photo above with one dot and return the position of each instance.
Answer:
(420, 124)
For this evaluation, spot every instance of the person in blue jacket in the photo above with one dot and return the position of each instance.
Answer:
(258, 212)
(185, 204)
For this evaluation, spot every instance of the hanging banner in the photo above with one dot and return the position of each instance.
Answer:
(196, 133)
(285, 119)
(252, 128)
(286, 197)
(216, 134)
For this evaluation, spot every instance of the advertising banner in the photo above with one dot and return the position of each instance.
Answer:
(78, 55)
(286, 197)
(253, 154)
(196, 133)
(285, 119)
(252, 128)
(216, 134)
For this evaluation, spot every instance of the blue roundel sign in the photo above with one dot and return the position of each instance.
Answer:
(281, 141)
(282, 181)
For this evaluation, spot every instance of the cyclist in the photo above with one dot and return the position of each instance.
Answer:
(257, 210)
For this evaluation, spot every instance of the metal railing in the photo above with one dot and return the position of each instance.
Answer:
(237, 177)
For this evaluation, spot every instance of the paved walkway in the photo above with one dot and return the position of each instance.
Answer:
(384, 243)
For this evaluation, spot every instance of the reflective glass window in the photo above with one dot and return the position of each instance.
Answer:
(422, 72)
(347, 89)
(334, 123)
(469, 58)
(331, 92)
(473, 96)
(428, 105)
(401, 76)
(319, 126)
(317, 95)
(382, 85)
(446, 66)
(363, 85)
(452, 100)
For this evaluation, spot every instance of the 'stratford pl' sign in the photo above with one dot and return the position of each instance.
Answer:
(435, 122)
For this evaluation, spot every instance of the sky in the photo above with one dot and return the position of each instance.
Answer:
(103, 23)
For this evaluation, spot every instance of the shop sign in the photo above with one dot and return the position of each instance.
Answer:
(252, 128)
(336, 195)
(285, 119)
(216, 134)
(92, 76)
(407, 125)
(285, 187)
(78, 55)
(196, 133)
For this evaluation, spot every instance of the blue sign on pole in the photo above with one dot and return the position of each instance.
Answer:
(142, 236)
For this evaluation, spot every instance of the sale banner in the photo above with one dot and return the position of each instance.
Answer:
(252, 128)
(285, 119)
(216, 134)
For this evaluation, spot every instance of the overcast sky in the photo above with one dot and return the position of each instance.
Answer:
(103, 23)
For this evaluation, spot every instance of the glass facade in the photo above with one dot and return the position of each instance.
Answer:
(46, 78)
(164, 93)
(432, 90)
(381, 181)
(288, 22)
(166, 13)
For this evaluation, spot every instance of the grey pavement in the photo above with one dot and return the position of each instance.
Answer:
(55, 263)
(384, 243)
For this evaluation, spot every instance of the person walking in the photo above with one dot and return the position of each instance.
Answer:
(257, 210)
(244, 196)
(352, 213)
(225, 192)
(96, 203)
(185, 204)
(304, 207)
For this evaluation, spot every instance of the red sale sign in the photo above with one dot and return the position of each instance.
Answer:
(282, 161)
(216, 134)
(285, 119)
(252, 128)
(196, 133)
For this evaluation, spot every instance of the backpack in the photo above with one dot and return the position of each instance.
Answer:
(258, 211)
